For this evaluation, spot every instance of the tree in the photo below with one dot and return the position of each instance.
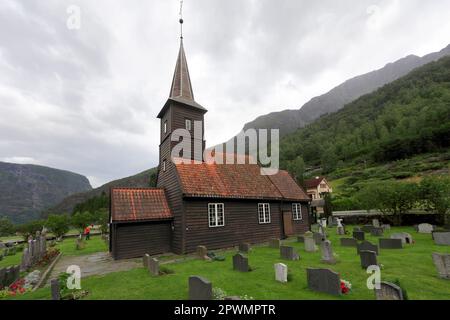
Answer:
(102, 218)
(30, 228)
(435, 196)
(6, 227)
(59, 225)
(297, 168)
(327, 207)
(81, 220)
(329, 160)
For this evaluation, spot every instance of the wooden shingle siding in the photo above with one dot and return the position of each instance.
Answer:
(133, 240)
(241, 224)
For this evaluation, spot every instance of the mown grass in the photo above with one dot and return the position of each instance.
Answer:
(413, 266)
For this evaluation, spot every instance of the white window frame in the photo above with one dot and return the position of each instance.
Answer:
(186, 122)
(165, 126)
(297, 212)
(215, 207)
(264, 213)
(164, 166)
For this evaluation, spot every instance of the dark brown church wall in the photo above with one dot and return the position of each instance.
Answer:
(133, 240)
(299, 226)
(241, 224)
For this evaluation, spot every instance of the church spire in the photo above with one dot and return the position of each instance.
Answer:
(181, 83)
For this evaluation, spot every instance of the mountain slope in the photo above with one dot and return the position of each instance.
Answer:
(290, 120)
(141, 180)
(25, 190)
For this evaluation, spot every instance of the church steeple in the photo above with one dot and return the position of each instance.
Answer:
(181, 84)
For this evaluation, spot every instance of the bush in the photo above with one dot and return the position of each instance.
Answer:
(30, 228)
(59, 225)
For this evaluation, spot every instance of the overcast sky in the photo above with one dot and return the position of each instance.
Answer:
(86, 100)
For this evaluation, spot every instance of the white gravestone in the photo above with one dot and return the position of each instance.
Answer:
(281, 272)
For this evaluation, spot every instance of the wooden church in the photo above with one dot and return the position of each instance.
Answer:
(198, 203)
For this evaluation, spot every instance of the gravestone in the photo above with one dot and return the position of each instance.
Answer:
(240, 263)
(199, 288)
(318, 238)
(425, 228)
(330, 221)
(405, 237)
(367, 246)
(376, 223)
(359, 235)
(310, 244)
(2, 277)
(442, 263)
(324, 280)
(202, 253)
(56, 290)
(301, 239)
(386, 227)
(377, 231)
(244, 247)
(153, 266)
(357, 229)
(145, 260)
(274, 243)
(349, 242)
(388, 291)
(367, 228)
(327, 253)
(368, 258)
(288, 253)
(340, 231)
(442, 238)
(281, 272)
(391, 243)
(322, 230)
(2, 245)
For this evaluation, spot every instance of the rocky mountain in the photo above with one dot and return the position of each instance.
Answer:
(26, 190)
(290, 120)
(141, 180)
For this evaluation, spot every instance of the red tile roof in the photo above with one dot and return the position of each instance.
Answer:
(287, 186)
(313, 183)
(139, 204)
(235, 181)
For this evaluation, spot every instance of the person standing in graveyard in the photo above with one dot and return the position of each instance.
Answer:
(87, 232)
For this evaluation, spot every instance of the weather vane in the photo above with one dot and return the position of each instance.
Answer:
(181, 18)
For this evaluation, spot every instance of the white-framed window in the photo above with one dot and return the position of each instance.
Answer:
(264, 213)
(188, 124)
(216, 215)
(164, 166)
(165, 126)
(297, 211)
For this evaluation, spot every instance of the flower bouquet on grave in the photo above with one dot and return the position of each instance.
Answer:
(346, 286)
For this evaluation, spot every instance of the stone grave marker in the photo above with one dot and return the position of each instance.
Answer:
(274, 243)
(240, 263)
(310, 244)
(288, 253)
(324, 280)
(56, 289)
(377, 231)
(318, 238)
(349, 242)
(367, 228)
(199, 288)
(244, 247)
(327, 253)
(391, 243)
(2, 277)
(442, 263)
(145, 260)
(281, 272)
(202, 253)
(388, 291)
(376, 223)
(425, 228)
(386, 227)
(153, 266)
(404, 236)
(359, 235)
(368, 258)
(441, 238)
(367, 246)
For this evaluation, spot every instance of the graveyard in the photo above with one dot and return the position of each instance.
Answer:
(412, 266)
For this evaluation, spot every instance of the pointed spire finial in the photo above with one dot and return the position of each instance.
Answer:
(181, 19)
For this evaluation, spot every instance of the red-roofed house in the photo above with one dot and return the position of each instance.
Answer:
(198, 203)
(316, 188)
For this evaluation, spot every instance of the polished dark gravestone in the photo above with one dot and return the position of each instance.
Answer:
(349, 242)
(324, 280)
(441, 238)
(199, 288)
(240, 263)
(388, 291)
(391, 243)
(55, 289)
(244, 247)
(359, 235)
(367, 246)
(368, 258)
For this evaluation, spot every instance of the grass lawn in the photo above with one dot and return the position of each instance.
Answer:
(413, 266)
(95, 244)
